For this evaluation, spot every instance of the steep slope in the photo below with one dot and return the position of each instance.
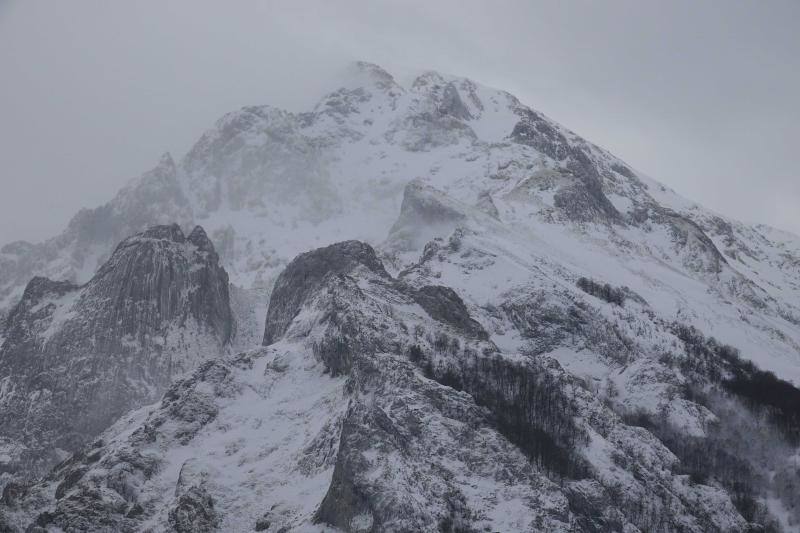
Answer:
(370, 412)
(268, 184)
(154, 198)
(535, 294)
(75, 358)
(533, 300)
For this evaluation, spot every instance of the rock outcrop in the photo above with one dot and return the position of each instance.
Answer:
(304, 276)
(76, 358)
(556, 342)
(383, 406)
(424, 213)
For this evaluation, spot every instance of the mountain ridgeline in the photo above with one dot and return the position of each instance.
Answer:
(427, 307)
(75, 358)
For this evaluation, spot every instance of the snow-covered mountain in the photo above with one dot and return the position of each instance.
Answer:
(515, 331)
(75, 358)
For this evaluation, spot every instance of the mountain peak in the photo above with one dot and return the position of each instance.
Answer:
(372, 74)
(166, 162)
(591, 333)
(199, 238)
(155, 309)
(303, 276)
(168, 232)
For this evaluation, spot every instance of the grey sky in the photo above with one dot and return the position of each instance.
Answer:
(702, 96)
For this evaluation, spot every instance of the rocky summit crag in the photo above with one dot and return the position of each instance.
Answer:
(445, 313)
(75, 358)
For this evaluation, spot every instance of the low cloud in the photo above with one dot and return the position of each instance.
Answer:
(699, 96)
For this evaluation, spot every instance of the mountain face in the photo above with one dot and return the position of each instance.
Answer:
(75, 358)
(380, 404)
(454, 314)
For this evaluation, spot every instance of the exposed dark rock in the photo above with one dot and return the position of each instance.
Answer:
(37, 289)
(452, 105)
(135, 511)
(429, 130)
(622, 170)
(152, 281)
(12, 492)
(547, 324)
(194, 512)
(304, 275)
(377, 76)
(199, 238)
(699, 251)
(70, 480)
(424, 424)
(86, 511)
(535, 131)
(593, 507)
(193, 410)
(142, 204)
(443, 304)
(583, 200)
(336, 353)
(440, 119)
(358, 502)
(422, 203)
(345, 499)
(263, 523)
(424, 214)
(79, 357)
(487, 205)
(98, 489)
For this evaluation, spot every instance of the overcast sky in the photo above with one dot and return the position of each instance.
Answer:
(702, 96)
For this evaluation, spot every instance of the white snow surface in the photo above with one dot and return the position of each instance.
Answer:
(267, 185)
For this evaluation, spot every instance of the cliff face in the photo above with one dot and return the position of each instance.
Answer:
(379, 405)
(75, 358)
(460, 316)
(307, 273)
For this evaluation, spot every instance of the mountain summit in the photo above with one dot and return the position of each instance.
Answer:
(451, 313)
(75, 358)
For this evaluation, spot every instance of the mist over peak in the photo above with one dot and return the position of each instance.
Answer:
(374, 296)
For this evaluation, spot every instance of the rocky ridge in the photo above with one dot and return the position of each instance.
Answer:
(75, 358)
(527, 267)
(409, 421)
